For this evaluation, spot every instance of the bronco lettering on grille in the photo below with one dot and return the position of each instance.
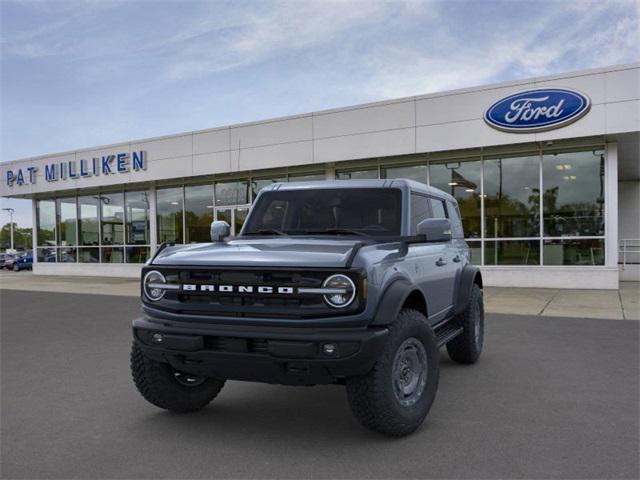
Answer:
(192, 287)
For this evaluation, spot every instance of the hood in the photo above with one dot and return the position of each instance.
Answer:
(271, 252)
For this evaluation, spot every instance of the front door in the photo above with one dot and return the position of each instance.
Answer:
(234, 216)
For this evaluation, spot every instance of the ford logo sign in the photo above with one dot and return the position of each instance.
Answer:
(537, 110)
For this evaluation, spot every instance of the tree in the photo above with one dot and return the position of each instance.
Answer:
(21, 237)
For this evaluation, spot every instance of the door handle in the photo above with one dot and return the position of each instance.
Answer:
(457, 259)
(441, 262)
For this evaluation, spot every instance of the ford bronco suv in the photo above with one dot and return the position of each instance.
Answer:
(355, 283)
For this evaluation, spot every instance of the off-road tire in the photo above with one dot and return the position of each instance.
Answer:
(467, 347)
(372, 397)
(157, 384)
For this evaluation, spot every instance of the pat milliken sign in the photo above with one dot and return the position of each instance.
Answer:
(537, 110)
(117, 163)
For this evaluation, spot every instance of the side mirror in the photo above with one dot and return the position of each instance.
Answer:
(219, 230)
(435, 229)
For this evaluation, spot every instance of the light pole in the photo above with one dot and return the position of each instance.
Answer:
(11, 212)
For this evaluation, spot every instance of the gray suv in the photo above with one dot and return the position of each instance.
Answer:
(357, 283)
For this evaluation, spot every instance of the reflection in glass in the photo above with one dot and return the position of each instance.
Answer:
(475, 250)
(574, 252)
(137, 218)
(112, 255)
(46, 218)
(137, 254)
(67, 212)
(88, 220)
(461, 180)
(169, 206)
(198, 212)
(370, 173)
(413, 172)
(232, 193)
(112, 218)
(224, 215)
(573, 198)
(512, 252)
(67, 255)
(89, 255)
(47, 254)
(239, 218)
(512, 197)
(307, 177)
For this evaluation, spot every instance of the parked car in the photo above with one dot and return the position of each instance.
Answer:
(23, 262)
(357, 283)
(7, 261)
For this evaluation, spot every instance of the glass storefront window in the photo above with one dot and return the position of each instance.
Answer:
(512, 197)
(512, 252)
(112, 255)
(88, 227)
(573, 252)
(462, 181)
(112, 218)
(258, 184)
(137, 218)
(369, 173)
(475, 250)
(67, 221)
(232, 193)
(137, 254)
(46, 218)
(198, 212)
(307, 177)
(169, 207)
(412, 172)
(89, 255)
(573, 198)
(67, 255)
(47, 254)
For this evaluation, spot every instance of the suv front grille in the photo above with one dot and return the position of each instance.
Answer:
(251, 304)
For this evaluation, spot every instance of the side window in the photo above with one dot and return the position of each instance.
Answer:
(456, 222)
(419, 211)
(438, 208)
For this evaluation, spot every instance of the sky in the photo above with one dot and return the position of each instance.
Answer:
(87, 73)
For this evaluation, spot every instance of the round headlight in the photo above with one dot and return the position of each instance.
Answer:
(152, 285)
(343, 290)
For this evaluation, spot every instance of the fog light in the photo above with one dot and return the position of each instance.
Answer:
(329, 348)
(156, 338)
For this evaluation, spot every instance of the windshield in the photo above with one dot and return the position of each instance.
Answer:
(335, 211)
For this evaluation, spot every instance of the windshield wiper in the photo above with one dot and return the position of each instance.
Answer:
(337, 231)
(266, 231)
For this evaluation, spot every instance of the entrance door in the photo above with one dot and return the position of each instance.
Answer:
(234, 216)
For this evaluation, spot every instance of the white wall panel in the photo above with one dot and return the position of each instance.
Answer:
(298, 153)
(271, 133)
(211, 141)
(367, 119)
(593, 123)
(166, 169)
(623, 116)
(592, 85)
(166, 147)
(379, 144)
(623, 85)
(209, 163)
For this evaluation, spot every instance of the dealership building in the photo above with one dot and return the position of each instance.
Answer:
(546, 172)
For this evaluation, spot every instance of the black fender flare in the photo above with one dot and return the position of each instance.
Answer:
(470, 275)
(392, 300)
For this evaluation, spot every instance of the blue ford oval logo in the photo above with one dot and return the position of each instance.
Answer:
(537, 110)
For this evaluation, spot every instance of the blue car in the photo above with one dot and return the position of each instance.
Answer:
(23, 262)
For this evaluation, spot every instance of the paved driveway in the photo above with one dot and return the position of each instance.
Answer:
(551, 398)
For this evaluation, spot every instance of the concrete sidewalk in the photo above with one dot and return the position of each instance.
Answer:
(623, 304)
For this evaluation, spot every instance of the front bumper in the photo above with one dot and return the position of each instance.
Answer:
(283, 355)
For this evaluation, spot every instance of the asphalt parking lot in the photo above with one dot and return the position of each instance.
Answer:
(550, 398)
